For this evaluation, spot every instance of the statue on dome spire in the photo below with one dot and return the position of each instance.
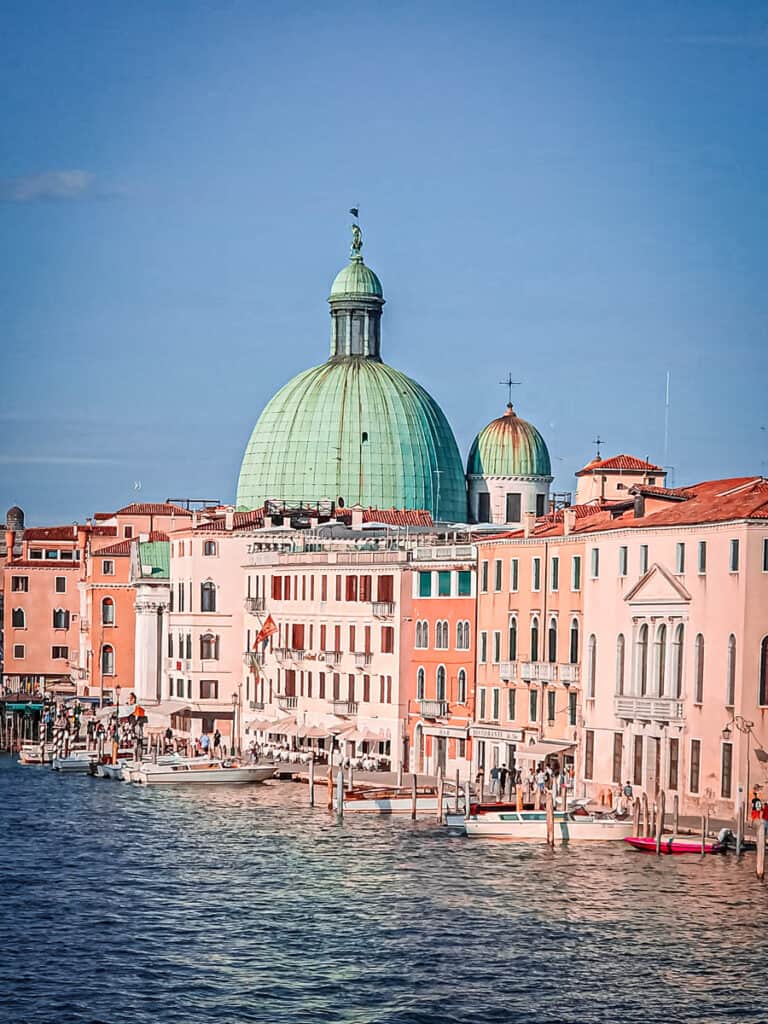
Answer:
(357, 243)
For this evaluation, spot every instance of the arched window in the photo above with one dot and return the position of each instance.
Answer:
(209, 646)
(18, 618)
(573, 650)
(208, 597)
(535, 640)
(441, 635)
(462, 694)
(660, 655)
(513, 639)
(678, 657)
(107, 612)
(420, 684)
(209, 547)
(107, 660)
(189, 646)
(698, 669)
(763, 693)
(441, 682)
(422, 634)
(552, 641)
(730, 685)
(620, 664)
(642, 660)
(60, 618)
(462, 636)
(591, 665)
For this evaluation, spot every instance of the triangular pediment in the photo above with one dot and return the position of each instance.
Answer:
(658, 586)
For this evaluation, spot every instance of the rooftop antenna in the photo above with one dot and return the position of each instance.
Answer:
(666, 423)
(509, 384)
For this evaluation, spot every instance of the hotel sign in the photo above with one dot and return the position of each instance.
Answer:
(452, 732)
(481, 732)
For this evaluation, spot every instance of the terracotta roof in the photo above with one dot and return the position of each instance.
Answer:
(123, 547)
(104, 531)
(673, 493)
(619, 463)
(51, 533)
(241, 520)
(41, 563)
(153, 509)
(390, 516)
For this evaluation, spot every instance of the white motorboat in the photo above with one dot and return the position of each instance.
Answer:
(201, 771)
(79, 762)
(505, 821)
(394, 800)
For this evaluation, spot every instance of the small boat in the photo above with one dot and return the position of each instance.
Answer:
(505, 821)
(31, 753)
(77, 763)
(201, 771)
(675, 844)
(392, 800)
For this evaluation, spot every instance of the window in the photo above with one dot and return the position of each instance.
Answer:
(734, 558)
(484, 577)
(572, 699)
(107, 660)
(107, 567)
(127, 532)
(618, 754)
(57, 653)
(484, 507)
(441, 635)
(497, 575)
(444, 583)
(693, 784)
(209, 689)
(208, 597)
(495, 714)
(765, 554)
(482, 704)
(20, 584)
(576, 572)
(67, 556)
(36, 553)
(620, 664)
(462, 636)
(514, 574)
(595, 562)
(350, 590)
(60, 585)
(591, 666)
(465, 583)
(513, 507)
(170, 644)
(511, 702)
(536, 574)
(462, 687)
(496, 647)
(540, 505)
(107, 612)
(425, 584)
(661, 659)
(209, 547)
(643, 569)
(440, 682)
(554, 574)
(698, 669)
(385, 588)
(726, 771)
(52, 554)
(679, 558)
(674, 762)
(551, 705)
(552, 641)
(18, 618)
(420, 684)
(535, 639)
(533, 706)
(422, 634)
(483, 647)
(60, 618)
(573, 647)
(18, 651)
(678, 654)
(763, 691)
(513, 639)
(622, 561)
(589, 754)
(209, 647)
(637, 761)
(387, 639)
(730, 683)
(642, 659)
(702, 557)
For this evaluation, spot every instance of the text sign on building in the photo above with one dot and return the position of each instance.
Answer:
(446, 731)
(480, 732)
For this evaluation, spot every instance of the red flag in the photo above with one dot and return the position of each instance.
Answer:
(265, 632)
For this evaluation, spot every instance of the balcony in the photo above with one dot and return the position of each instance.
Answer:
(345, 708)
(253, 658)
(508, 671)
(383, 609)
(255, 705)
(538, 672)
(363, 659)
(332, 657)
(281, 653)
(286, 702)
(568, 673)
(649, 709)
(254, 605)
(434, 708)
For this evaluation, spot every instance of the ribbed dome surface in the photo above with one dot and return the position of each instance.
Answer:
(356, 279)
(357, 429)
(509, 446)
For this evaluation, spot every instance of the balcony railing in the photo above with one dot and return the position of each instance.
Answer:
(281, 653)
(538, 671)
(345, 708)
(251, 658)
(332, 657)
(434, 708)
(568, 673)
(649, 709)
(508, 671)
(256, 705)
(255, 604)
(383, 609)
(363, 658)
(286, 703)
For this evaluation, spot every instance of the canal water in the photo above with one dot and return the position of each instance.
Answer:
(120, 904)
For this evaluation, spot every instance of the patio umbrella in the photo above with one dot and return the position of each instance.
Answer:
(313, 732)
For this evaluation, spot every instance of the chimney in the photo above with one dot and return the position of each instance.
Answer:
(82, 535)
(229, 518)
(195, 520)
(267, 522)
(529, 522)
(9, 539)
(569, 521)
(357, 517)
(639, 506)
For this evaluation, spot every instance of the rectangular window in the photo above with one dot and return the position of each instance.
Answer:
(59, 652)
(637, 761)
(734, 559)
(726, 771)
(572, 707)
(674, 763)
(127, 531)
(61, 585)
(589, 754)
(595, 563)
(511, 709)
(483, 648)
(618, 753)
(20, 584)
(484, 577)
(425, 584)
(482, 704)
(67, 555)
(351, 588)
(533, 706)
(465, 583)
(495, 705)
(680, 558)
(18, 651)
(107, 567)
(513, 508)
(695, 766)
(576, 572)
(387, 639)
(554, 574)
(209, 689)
(496, 648)
(52, 555)
(484, 507)
(497, 575)
(444, 583)
(366, 588)
(536, 574)
(702, 557)
(461, 748)
(323, 588)
(765, 554)
(35, 553)
(366, 689)
(277, 588)
(623, 560)
(539, 505)
(514, 574)
(385, 588)
(643, 567)
(551, 705)
(321, 685)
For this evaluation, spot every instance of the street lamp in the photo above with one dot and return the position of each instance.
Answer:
(235, 744)
(745, 727)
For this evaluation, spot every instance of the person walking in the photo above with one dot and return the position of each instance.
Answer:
(217, 743)
(494, 780)
(205, 744)
(503, 774)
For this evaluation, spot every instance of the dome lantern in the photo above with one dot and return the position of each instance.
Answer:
(356, 302)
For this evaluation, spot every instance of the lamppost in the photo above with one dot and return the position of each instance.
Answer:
(235, 743)
(745, 727)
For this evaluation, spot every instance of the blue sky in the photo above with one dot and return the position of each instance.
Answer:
(573, 192)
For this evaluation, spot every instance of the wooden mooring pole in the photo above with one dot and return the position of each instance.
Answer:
(330, 787)
(739, 822)
(760, 857)
(340, 794)
(456, 805)
(440, 793)
(636, 816)
(311, 780)
(413, 797)
(550, 818)
(645, 831)
(703, 833)
(675, 814)
(660, 821)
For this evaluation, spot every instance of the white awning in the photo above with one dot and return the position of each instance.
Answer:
(539, 751)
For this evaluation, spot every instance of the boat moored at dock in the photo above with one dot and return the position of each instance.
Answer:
(674, 844)
(201, 771)
(395, 800)
(506, 821)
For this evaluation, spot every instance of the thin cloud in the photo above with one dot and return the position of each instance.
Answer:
(54, 460)
(48, 185)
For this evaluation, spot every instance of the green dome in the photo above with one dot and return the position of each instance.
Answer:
(509, 446)
(358, 429)
(356, 279)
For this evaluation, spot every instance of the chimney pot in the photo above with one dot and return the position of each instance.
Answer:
(529, 521)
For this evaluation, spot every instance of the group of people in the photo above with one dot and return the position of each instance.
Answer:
(534, 781)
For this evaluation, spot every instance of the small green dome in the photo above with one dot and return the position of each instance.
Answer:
(356, 279)
(509, 446)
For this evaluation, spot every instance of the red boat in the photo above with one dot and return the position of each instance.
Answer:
(675, 844)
